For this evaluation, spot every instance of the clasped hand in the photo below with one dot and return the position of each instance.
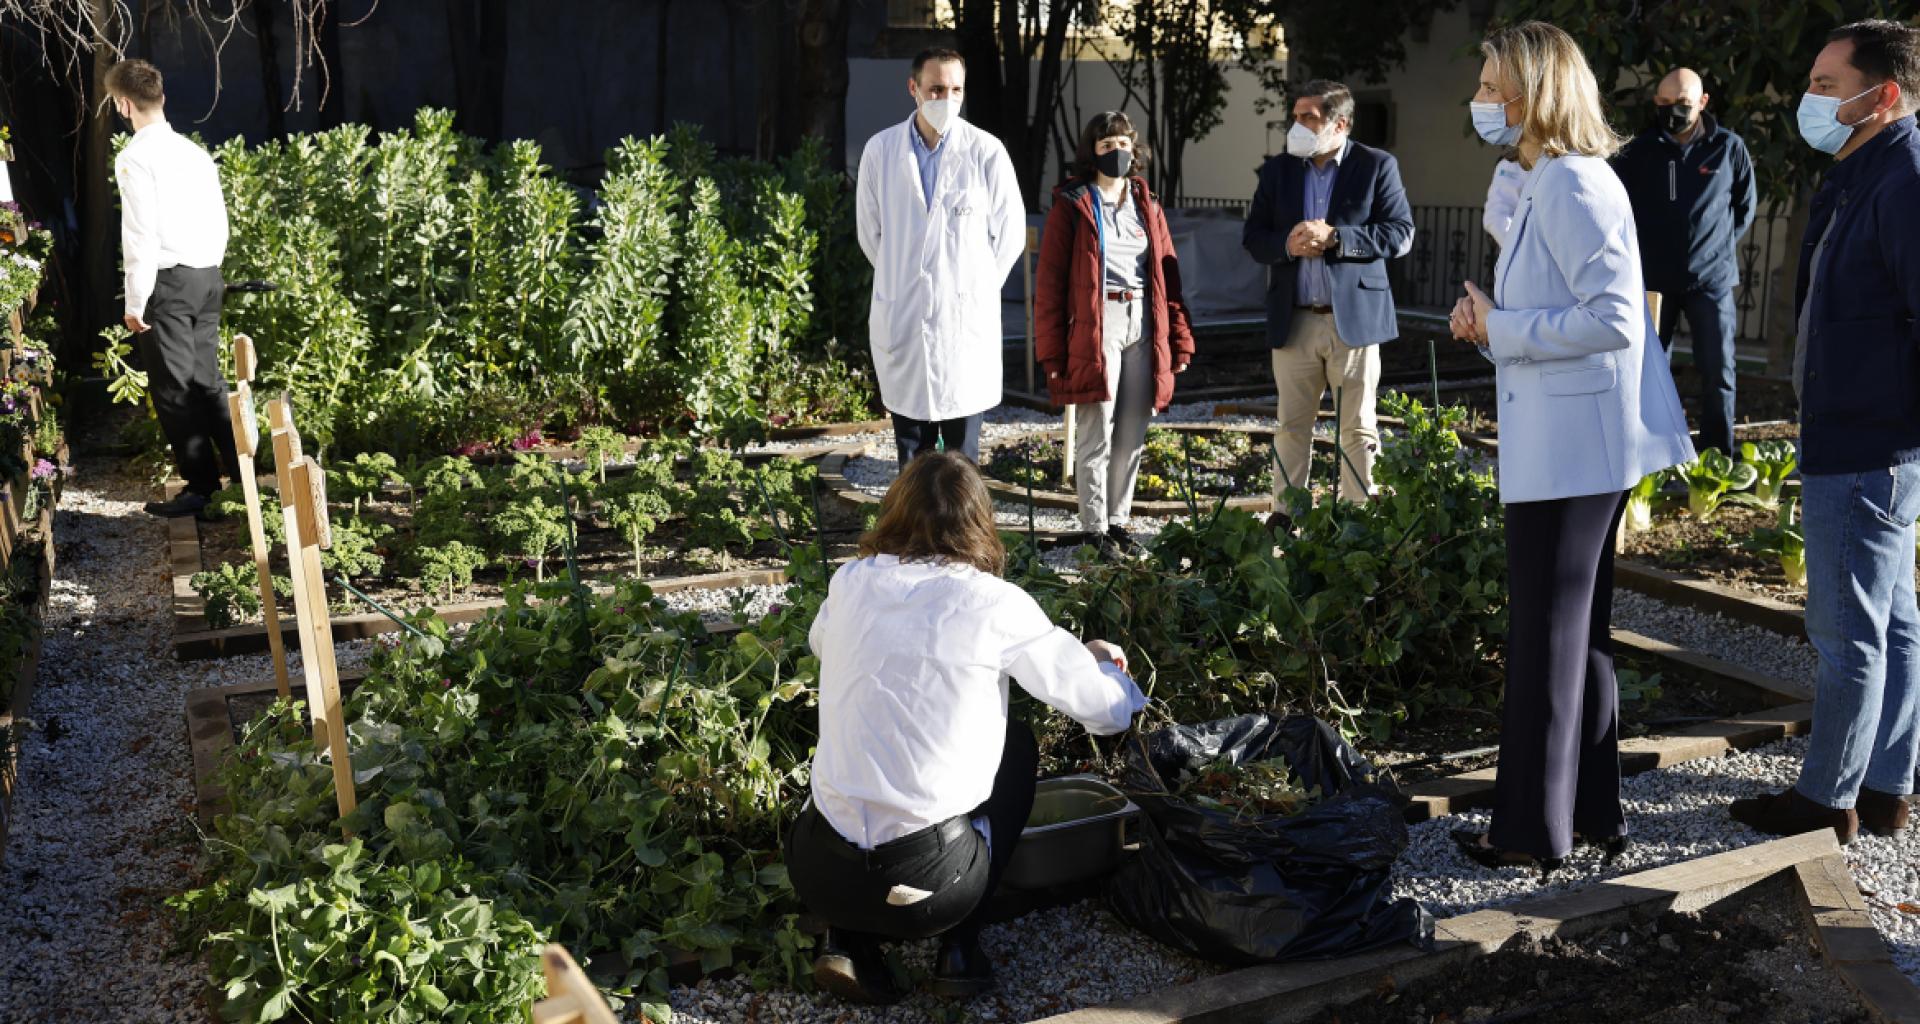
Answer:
(1469, 317)
(1309, 238)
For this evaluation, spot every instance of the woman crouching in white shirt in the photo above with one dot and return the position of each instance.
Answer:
(921, 783)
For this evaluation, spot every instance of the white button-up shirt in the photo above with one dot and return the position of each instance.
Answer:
(914, 662)
(171, 210)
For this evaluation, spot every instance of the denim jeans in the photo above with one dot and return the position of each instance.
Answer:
(1714, 320)
(1864, 625)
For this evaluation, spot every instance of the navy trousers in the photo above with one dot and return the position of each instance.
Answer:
(1713, 321)
(1559, 733)
(913, 437)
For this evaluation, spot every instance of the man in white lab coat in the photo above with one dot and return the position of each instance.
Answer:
(942, 220)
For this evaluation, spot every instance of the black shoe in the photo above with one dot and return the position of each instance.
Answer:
(187, 504)
(962, 969)
(1494, 857)
(853, 969)
(1125, 542)
(1104, 548)
(1610, 848)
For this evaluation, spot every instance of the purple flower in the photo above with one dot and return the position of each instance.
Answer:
(620, 609)
(43, 469)
(532, 562)
(530, 439)
(774, 609)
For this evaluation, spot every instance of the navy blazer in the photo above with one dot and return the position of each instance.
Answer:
(1369, 210)
(1860, 403)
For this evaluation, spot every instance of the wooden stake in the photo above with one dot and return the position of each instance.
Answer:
(1655, 301)
(306, 529)
(1066, 451)
(245, 362)
(571, 996)
(1026, 261)
(246, 438)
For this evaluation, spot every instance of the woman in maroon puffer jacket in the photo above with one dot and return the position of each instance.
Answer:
(1110, 324)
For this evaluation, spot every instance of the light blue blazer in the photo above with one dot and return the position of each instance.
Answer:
(1586, 404)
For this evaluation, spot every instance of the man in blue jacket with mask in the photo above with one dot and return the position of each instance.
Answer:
(1691, 184)
(1858, 369)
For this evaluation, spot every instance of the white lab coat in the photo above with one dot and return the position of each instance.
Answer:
(934, 323)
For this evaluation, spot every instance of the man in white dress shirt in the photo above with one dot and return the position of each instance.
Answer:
(173, 235)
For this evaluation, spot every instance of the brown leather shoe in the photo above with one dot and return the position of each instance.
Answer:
(1882, 814)
(1787, 813)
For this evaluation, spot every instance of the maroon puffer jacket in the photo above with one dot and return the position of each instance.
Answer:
(1069, 298)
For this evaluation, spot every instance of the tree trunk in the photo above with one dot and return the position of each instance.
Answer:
(99, 220)
(269, 44)
(1783, 325)
(819, 94)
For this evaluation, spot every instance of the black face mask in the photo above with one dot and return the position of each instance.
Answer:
(1114, 163)
(1674, 119)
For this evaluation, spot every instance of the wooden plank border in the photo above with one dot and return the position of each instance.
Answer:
(1850, 943)
(1708, 596)
(20, 703)
(1282, 993)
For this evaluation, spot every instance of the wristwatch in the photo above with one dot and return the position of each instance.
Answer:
(1333, 240)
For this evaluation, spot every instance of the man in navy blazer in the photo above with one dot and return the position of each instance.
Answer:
(1326, 218)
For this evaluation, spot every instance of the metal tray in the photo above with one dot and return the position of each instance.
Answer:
(1086, 846)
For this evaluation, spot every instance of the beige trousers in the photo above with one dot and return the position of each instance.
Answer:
(1314, 360)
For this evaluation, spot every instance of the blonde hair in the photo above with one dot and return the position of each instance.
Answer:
(1559, 100)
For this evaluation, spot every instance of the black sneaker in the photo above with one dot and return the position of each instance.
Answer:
(852, 968)
(186, 504)
(961, 970)
(1125, 542)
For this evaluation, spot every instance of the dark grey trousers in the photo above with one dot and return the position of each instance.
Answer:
(1559, 733)
(848, 886)
(181, 352)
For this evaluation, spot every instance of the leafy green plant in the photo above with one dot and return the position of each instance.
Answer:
(448, 567)
(601, 445)
(124, 383)
(448, 473)
(366, 476)
(1636, 687)
(636, 512)
(356, 549)
(1773, 462)
(1785, 540)
(1640, 498)
(232, 593)
(1712, 479)
(532, 529)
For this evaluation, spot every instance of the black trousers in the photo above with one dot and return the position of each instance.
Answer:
(1559, 735)
(181, 352)
(848, 886)
(913, 437)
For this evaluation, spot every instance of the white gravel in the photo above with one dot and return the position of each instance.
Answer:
(104, 814)
(1103, 961)
(720, 604)
(1673, 814)
(1762, 650)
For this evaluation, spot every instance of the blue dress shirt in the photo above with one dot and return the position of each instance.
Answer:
(1315, 288)
(928, 159)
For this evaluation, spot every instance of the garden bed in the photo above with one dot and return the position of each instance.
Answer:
(30, 583)
(397, 542)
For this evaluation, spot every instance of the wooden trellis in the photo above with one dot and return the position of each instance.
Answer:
(246, 439)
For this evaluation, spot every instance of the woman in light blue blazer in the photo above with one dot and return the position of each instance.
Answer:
(1585, 411)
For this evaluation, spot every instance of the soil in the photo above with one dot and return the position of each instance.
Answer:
(1749, 959)
(603, 556)
(1712, 549)
(1226, 464)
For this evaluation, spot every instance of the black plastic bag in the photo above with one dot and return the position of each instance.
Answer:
(1258, 889)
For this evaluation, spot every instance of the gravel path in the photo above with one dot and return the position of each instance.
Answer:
(1674, 814)
(1760, 649)
(104, 828)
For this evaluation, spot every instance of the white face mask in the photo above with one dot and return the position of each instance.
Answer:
(940, 113)
(1306, 144)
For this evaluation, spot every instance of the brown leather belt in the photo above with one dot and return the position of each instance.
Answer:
(1123, 296)
(1322, 310)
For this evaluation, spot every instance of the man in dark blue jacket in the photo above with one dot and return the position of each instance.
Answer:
(1858, 367)
(1691, 183)
(1327, 216)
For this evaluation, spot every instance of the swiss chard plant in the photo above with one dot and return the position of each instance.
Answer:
(1773, 462)
(1640, 499)
(1712, 479)
(1785, 540)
